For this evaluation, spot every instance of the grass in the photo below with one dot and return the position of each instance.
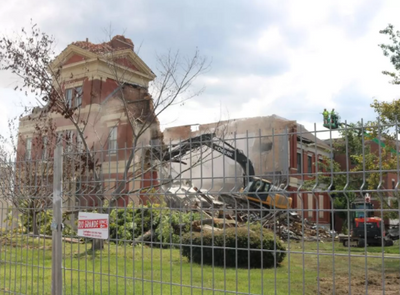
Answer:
(25, 268)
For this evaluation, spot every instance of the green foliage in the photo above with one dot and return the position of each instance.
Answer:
(392, 51)
(172, 225)
(361, 161)
(388, 112)
(345, 230)
(168, 225)
(43, 222)
(239, 250)
(122, 224)
(374, 166)
(351, 141)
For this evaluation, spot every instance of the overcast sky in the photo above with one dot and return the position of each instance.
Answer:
(285, 57)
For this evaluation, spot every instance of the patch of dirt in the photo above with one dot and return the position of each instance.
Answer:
(374, 284)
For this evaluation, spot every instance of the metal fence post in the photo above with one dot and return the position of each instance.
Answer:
(56, 286)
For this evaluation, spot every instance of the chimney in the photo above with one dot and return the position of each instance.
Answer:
(87, 40)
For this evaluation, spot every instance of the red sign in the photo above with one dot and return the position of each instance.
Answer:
(93, 225)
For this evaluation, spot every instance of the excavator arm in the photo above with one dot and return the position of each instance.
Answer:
(257, 190)
(176, 153)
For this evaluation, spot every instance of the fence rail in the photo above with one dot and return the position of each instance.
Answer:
(318, 217)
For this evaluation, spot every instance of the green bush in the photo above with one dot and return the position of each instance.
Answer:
(122, 224)
(44, 220)
(168, 225)
(241, 248)
(171, 225)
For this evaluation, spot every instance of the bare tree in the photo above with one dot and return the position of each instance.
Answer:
(26, 174)
(31, 56)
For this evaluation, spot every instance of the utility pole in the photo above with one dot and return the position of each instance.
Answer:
(56, 284)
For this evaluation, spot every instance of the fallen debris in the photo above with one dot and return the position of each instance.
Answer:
(145, 237)
(234, 210)
(210, 228)
(186, 198)
(293, 228)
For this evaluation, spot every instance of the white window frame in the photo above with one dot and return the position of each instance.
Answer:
(78, 96)
(28, 154)
(310, 204)
(309, 163)
(68, 140)
(68, 96)
(44, 150)
(321, 206)
(112, 140)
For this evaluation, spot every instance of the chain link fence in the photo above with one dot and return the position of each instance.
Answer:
(258, 214)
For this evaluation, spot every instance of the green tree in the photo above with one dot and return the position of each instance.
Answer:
(362, 163)
(343, 181)
(392, 51)
(389, 112)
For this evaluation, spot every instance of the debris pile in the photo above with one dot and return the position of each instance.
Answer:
(231, 210)
(292, 226)
(187, 198)
(286, 226)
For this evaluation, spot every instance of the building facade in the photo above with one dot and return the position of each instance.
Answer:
(281, 151)
(106, 101)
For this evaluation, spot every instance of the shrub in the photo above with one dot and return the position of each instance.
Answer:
(44, 220)
(168, 225)
(122, 224)
(172, 225)
(206, 248)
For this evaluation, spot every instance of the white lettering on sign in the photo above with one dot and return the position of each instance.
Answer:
(93, 225)
(224, 151)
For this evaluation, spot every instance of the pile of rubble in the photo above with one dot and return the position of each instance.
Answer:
(292, 226)
(285, 226)
(232, 210)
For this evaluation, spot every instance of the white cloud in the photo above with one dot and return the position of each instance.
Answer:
(291, 58)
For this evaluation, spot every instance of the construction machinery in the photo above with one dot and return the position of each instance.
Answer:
(365, 228)
(256, 190)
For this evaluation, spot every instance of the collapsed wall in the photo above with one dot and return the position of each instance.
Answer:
(264, 140)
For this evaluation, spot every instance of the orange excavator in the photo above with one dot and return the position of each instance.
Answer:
(365, 228)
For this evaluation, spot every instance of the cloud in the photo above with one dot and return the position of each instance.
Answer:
(290, 58)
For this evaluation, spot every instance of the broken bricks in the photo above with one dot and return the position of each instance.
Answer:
(233, 211)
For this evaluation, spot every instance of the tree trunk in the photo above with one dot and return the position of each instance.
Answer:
(97, 245)
(35, 227)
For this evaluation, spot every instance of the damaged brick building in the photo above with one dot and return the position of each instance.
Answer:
(281, 150)
(93, 78)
